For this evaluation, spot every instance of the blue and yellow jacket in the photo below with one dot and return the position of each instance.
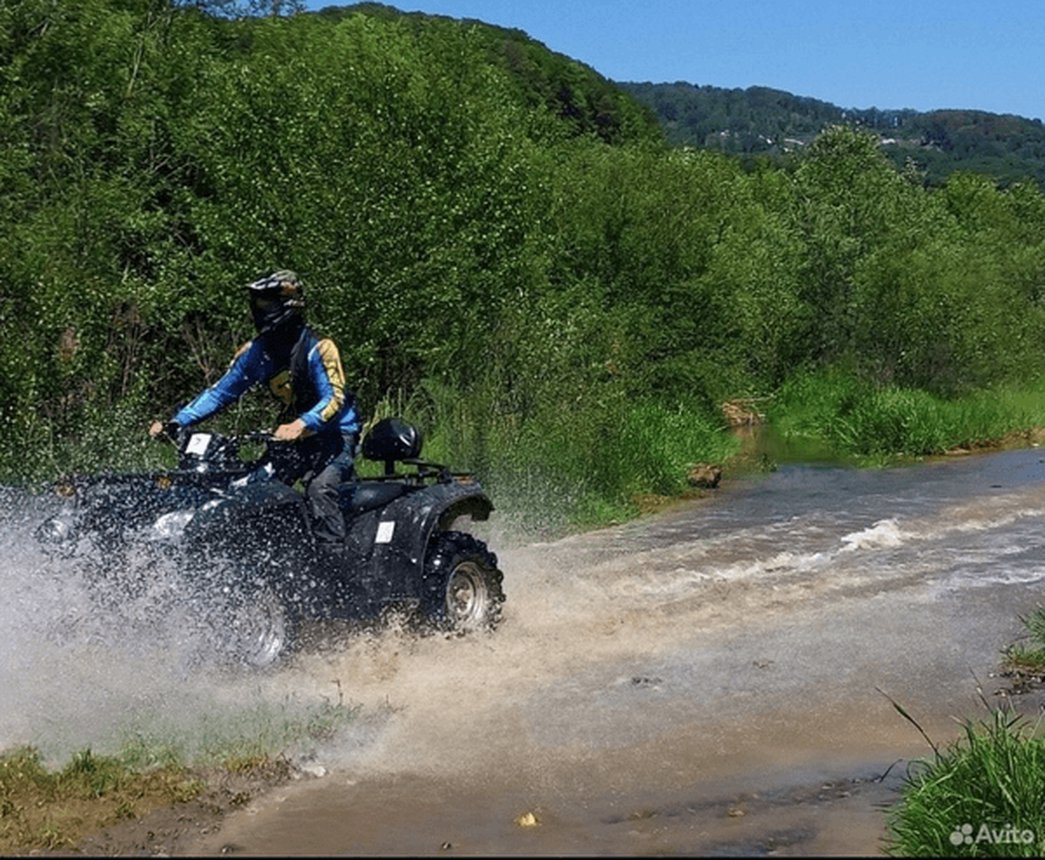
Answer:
(309, 382)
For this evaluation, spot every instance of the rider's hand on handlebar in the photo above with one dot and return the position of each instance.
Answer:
(289, 432)
(158, 429)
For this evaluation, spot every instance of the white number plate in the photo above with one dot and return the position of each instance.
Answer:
(198, 443)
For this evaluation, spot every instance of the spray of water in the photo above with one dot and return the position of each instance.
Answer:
(125, 666)
(619, 596)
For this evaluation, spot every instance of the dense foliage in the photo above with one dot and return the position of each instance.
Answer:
(574, 93)
(764, 122)
(560, 298)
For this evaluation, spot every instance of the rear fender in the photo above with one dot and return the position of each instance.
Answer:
(398, 535)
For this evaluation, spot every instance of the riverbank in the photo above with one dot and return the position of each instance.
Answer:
(762, 448)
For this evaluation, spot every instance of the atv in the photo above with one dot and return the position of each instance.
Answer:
(240, 543)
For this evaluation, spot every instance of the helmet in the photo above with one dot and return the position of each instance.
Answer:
(275, 300)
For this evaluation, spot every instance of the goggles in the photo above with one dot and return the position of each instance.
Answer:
(265, 302)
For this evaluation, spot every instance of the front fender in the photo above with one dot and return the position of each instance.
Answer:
(266, 516)
(400, 534)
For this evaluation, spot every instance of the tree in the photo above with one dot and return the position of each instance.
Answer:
(244, 8)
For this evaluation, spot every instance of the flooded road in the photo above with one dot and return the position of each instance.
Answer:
(712, 680)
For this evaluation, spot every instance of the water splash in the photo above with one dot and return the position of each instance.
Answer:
(884, 533)
(126, 672)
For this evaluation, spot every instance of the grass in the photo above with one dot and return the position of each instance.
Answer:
(1028, 657)
(877, 425)
(574, 462)
(563, 466)
(55, 809)
(982, 796)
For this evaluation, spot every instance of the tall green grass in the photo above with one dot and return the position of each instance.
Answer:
(565, 465)
(575, 458)
(1029, 655)
(983, 796)
(880, 423)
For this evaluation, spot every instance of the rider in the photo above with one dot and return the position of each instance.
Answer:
(319, 415)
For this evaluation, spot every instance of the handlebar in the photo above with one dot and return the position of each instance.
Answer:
(256, 436)
(199, 449)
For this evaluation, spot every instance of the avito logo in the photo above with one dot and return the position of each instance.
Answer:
(1007, 835)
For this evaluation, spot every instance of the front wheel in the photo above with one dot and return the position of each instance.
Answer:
(254, 629)
(462, 585)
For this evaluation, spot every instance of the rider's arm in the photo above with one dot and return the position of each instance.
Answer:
(324, 367)
(247, 369)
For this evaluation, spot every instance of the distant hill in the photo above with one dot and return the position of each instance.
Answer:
(760, 121)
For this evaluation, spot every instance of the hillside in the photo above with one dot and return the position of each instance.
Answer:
(584, 100)
(759, 121)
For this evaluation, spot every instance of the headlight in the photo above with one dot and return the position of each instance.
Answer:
(171, 526)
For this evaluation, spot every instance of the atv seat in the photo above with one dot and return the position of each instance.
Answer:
(356, 497)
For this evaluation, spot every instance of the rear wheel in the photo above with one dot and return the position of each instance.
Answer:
(462, 585)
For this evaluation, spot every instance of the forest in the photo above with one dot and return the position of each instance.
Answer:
(761, 122)
(504, 244)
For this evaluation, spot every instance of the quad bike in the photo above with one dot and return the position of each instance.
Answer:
(240, 542)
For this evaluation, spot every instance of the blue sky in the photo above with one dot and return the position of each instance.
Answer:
(921, 54)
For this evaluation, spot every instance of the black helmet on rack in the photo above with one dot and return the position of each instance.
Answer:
(276, 300)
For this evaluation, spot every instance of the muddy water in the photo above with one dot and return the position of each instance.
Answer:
(713, 680)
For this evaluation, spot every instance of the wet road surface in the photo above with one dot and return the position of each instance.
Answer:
(715, 680)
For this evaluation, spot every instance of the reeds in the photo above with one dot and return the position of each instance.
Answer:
(981, 796)
(877, 424)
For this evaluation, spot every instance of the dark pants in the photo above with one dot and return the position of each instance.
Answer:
(321, 462)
